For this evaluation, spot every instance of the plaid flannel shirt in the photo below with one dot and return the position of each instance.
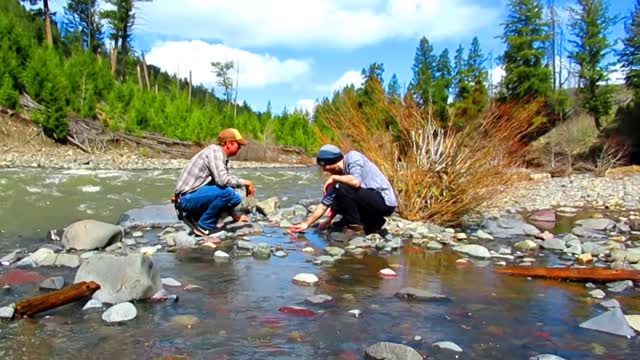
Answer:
(208, 167)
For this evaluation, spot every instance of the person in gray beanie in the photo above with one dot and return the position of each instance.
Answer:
(356, 189)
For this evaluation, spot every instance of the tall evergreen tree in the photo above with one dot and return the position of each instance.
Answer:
(525, 33)
(443, 80)
(423, 69)
(589, 25)
(222, 71)
(46, 10)
(477, 78)
(630, 53)
(83, 16)
(372, 92)
(461, 87)
(394, 91)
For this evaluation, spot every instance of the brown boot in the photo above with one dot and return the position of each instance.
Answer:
(350, 232)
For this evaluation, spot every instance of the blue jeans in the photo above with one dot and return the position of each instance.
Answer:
(208, 203)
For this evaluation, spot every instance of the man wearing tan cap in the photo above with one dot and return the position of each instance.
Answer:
(206, 189)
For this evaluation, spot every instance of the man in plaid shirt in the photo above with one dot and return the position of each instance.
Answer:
(205, 188)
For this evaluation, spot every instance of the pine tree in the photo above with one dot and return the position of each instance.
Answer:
(423, 69)
(53, 119)
(82, 16)
(441, 86)
(589, 25)
(630, 53)
(9, 97)
(526, 35)
(46, 10)
(477, 78)
(461, 87)
(393, 88)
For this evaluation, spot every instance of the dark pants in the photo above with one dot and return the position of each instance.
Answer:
(361, 206)
(208, 203)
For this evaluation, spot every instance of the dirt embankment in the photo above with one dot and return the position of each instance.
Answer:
(22, 144)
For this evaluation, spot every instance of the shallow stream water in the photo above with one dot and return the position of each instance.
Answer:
(235, 315)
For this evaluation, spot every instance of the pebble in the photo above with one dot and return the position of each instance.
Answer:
(119, 313)
(305, 279)
(597, 293)
(448, 345)
(170, 282)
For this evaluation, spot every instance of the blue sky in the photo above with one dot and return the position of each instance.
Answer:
(292, 52)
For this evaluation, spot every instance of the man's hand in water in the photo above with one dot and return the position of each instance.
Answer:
(298, 228)
(250, 188)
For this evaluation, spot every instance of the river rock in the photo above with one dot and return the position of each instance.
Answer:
(588, 233)
(187, 321)
(509, 226)
(474, 250)
(593, 248)
(410, 293)
(53, 283)
(391, 351)
(480, 234)
(554, 244)
(68, 260)
(448, 345)
(6, 312)
(612, 322)
(92, 304)
(434, 245)
(619, 286)
(121, 277)
(280, 254)
(10, 258)
(597, 293)
(149, 216)
(119, 313)
(525, 246)
(319, 299)
(244, 245)
(546, 357)
(305, 279)
(601, 224)
(334, 251)
(170, 282)
(269, 206)
(36, 259)
(634, 321)
(90, 234)
(548, 215)
(324, 260)
(184, 240)
(610, 304)
(261, 252)
(360, 242)
(625, 255)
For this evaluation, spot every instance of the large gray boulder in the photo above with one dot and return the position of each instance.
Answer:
(149, 216)
(90, 234)
(509, 226)
(121, 277)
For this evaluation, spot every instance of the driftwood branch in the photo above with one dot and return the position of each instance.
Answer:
(572, 274)
(76, 143)
(52, 300)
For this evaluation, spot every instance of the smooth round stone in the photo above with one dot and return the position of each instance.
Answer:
(121, 312)
(280, 253)
(597, 293)
(305, 279)
(448, 345)
(319, 299)
(387, 273)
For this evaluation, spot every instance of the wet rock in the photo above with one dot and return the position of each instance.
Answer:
(90, 234)
(117, 247)
(334, 251)
(588, 233)
(53, 283)
(634, 321)
(244, 229)
(391, 351)
(434, 245)
(546, 357)
(593, 248)
(355, 312)
(601, 224)
(480, 234)
(245, 245)
(319, 299)
(305, 279)
(261, 252)
(6, 312)
(35, 259)
(121, 277)
(597, 293)
(10, 258)
(149, 216)
(584, 259)
(619, 286)
(183, 240)
(625, 255)
(137, 234)
(574, 249)
(187, 321)
(132, 242)
(509, 226)
(308, 250)
(448, 345)
(474, 250)
(149, 250)
(92, 304)
(324, 260)
(221, 255)
(170, 282)
(269, 206)
(410, 293)
(119, 313)
(525, 246)
(360, 242)
(554, 244)
(548, 215)
(387, 274)
(280, 254)
(612, 322)
(610, 304)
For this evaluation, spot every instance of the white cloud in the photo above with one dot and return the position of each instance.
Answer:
(306, 104)
(315, 23)
(496, 75)
(617, 74)
(351, 77)
(255, 70)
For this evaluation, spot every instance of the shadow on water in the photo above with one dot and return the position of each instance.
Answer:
(235, 313)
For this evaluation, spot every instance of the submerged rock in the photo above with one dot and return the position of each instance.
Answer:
(121, 277)
(612, 322)
(121, 312)
(6, 312)
(91, 234)
(474, 250)
(305, 279)
(448, 345)
(391, 351)
(53, 283)
(319, 299)
(411, 293)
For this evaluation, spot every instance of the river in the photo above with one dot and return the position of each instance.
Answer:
(236, 316)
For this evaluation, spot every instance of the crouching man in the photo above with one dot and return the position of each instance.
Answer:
(205, 189)
(357, 190)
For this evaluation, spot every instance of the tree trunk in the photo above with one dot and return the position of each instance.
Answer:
(47, 22)
(114, 60)
(146, 72)
(52, 300)
(139, 76)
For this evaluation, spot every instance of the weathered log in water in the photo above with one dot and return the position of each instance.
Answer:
(572, 274)
(52, 300)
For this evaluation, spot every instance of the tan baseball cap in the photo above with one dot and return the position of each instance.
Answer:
(232, 134)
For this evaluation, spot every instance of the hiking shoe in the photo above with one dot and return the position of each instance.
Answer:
(348, 233)
(198, 231)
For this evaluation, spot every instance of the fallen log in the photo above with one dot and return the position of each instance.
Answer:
(572, 274)
(52, 300)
